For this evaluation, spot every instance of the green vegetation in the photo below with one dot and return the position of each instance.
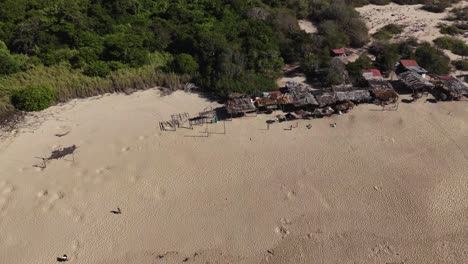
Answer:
(355, 68)
(86, 47)
(457, 46)
(386, 55)
(72, 83)
(459, 14)
(451, 30)
(388, 31)
(437, 6)
(432, 59)
(461, 65)
(34, 98)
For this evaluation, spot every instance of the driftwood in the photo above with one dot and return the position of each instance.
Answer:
(58, 154)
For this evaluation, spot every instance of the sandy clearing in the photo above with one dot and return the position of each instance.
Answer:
(307, 26)
(417, 23)
(380, 187)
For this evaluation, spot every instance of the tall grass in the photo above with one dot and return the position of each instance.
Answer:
(72, 83)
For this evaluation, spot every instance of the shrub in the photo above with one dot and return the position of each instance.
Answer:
(35, 98)
(457, 46)
(451, 30)
(461, 65)
(185, 64)
(386, 55)
(8, 64)
(355, 68)
(388, 31)
(432, 59)
(98, 68)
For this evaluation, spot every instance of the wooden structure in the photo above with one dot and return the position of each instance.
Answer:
(300, 95)
(374, 79)
(238, 104)
(449, 88)
(338, 52)
(415, 82)
(412, 66)
(356, 96)
(325, 98)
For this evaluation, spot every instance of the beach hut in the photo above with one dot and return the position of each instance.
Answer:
(375, 80)
(415, 82)
(449, 88)
(411, 65)
(339, 52)
(325, 98)
(300, 95)
(356, 96)
(269, 101)
(239, 104)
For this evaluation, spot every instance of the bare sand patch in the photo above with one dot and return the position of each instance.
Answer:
(418, 23)
(307, 26)
(381, 187)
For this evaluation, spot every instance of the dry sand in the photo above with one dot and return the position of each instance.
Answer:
(381, 187)
(307, 26)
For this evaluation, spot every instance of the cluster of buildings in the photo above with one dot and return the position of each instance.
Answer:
(299, 96)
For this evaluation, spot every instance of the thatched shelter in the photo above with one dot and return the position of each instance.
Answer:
(449, 88)
(356, 96)
(301, 94)
(375, 80)
(266, 103)
(343, 88)
(325, 98)
(385, 96)
(379, 84)
(414, 81)
(238, 104)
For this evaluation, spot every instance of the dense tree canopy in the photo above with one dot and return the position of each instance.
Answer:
(214, 41)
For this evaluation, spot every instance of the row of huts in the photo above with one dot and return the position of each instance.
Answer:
(378, 90)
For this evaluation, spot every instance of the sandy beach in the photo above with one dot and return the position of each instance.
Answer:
(381, 187)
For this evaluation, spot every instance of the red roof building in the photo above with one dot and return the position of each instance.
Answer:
(371, 73)
(409, 63)
(412, 65)
(339, 52)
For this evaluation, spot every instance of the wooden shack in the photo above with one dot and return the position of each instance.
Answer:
(325, 98)
(412, 66)
(356, 96)
(300, 95)
(268, 101)
(449, 88)
(375, 80)
(239, 104)
(415, 82)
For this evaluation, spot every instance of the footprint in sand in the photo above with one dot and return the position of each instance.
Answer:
(50, 203)
(288, 194)
(125, 149)
(75, 214)
(281, 229)
(160, 193)
(42, 193)
(6, 190)
(133, 179)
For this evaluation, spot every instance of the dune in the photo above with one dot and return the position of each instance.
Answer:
(380, 187)
(418, 23)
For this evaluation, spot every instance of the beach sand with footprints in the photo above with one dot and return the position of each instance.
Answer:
(380, 187)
